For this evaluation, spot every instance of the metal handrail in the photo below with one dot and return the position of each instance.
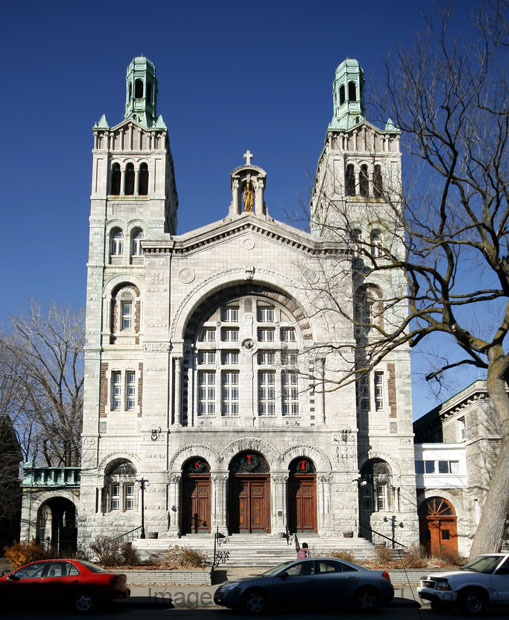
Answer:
(372, 531)
(125, 534)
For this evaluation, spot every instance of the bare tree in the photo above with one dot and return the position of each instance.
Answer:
(41, 370)
(450, 238)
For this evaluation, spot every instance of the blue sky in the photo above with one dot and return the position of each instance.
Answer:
(232, 76)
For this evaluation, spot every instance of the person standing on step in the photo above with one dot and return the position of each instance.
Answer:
(303, 552)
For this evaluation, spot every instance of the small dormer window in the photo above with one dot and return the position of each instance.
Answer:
(138, 89)
(352, 91)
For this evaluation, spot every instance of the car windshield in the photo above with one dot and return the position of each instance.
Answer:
(93, 567)
(483, 564)
(274, 571)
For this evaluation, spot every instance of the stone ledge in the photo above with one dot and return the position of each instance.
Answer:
(198, 577)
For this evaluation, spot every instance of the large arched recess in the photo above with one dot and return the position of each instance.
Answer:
(230, 292)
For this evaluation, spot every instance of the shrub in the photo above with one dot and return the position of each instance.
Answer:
(183, 557)
(20, 553)
(414, 558)
(113, 553)
(342, 554)
(384, 554)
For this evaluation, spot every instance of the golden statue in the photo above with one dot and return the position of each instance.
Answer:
(248, 197)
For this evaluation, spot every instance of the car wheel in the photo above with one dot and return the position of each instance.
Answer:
(366, 600)
(255, 602)
(84, 602)
(472, 601)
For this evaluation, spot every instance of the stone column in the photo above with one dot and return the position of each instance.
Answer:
(219, 502)
(235, 210)
(178, 391)
(278, 484)
(174, 507)
(323, 501)
(258, 206)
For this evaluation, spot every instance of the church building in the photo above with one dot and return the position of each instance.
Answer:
(212, 358)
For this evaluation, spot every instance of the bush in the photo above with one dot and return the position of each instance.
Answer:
(183, 557)
(342, 554)
(113, 553)
(384, 554)
(20, 553)
(415, 557)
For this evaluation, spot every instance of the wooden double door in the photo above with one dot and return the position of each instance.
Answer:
(249, 503)
(438, 527)
(302, 503)
(195, 503)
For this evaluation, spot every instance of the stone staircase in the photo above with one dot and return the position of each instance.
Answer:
(258, 551)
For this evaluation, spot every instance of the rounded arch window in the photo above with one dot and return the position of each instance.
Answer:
(302, 465)
(196, 465)
(350, 180)
(376, 486)
(436, 507)
(116, 176)
(136, 239)
(116, 242)
(342, 94)
(125, 310)
(143, 179)
(239, 340)
(118, 492)
(249, 462)
(364, 181)
(352, 91)
(129, 180)
(138, 89)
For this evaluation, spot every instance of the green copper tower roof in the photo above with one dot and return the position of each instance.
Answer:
(348, 95)
(141, 92)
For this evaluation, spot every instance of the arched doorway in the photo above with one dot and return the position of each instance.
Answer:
(438, 526)
(249, 497)
(195, 496)
(56, 524)
(302, 496)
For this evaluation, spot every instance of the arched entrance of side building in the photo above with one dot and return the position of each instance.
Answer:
(249, 496)
(195, 496)
(438, 526)
(56, 524)
(302, 496)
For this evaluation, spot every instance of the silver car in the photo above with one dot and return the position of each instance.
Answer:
(311, 583)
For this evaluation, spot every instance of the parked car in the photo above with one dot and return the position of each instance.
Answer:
(312, 583)
(483, 581)
(78, 583)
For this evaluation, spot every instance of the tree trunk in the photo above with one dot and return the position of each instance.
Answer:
(490, 532)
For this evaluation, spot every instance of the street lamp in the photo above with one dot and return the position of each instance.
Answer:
(144, 483)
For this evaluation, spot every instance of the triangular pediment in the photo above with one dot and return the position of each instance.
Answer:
(219, 232)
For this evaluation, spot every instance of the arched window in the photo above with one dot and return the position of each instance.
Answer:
(125, 311)
(368, 309)
(364, 181)
(248, 340)
(377, 182)
(376, 241)
(116, 243)
(377, 493)
(350, 180)
(119, 487)
(115, 179)
(136, 239)
(342, 94)
(138, 89)
(129, 180)
(352, 91)
(143, 180)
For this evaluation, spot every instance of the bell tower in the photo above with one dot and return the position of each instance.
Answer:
(348, 95)
(141, 91)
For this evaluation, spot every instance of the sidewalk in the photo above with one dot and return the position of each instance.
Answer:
(202, 597)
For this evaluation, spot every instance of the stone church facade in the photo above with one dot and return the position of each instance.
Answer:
(209, 371)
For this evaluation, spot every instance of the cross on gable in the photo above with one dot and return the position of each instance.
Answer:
(247, 156)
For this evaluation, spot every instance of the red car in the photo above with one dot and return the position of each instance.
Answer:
(76, 582)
